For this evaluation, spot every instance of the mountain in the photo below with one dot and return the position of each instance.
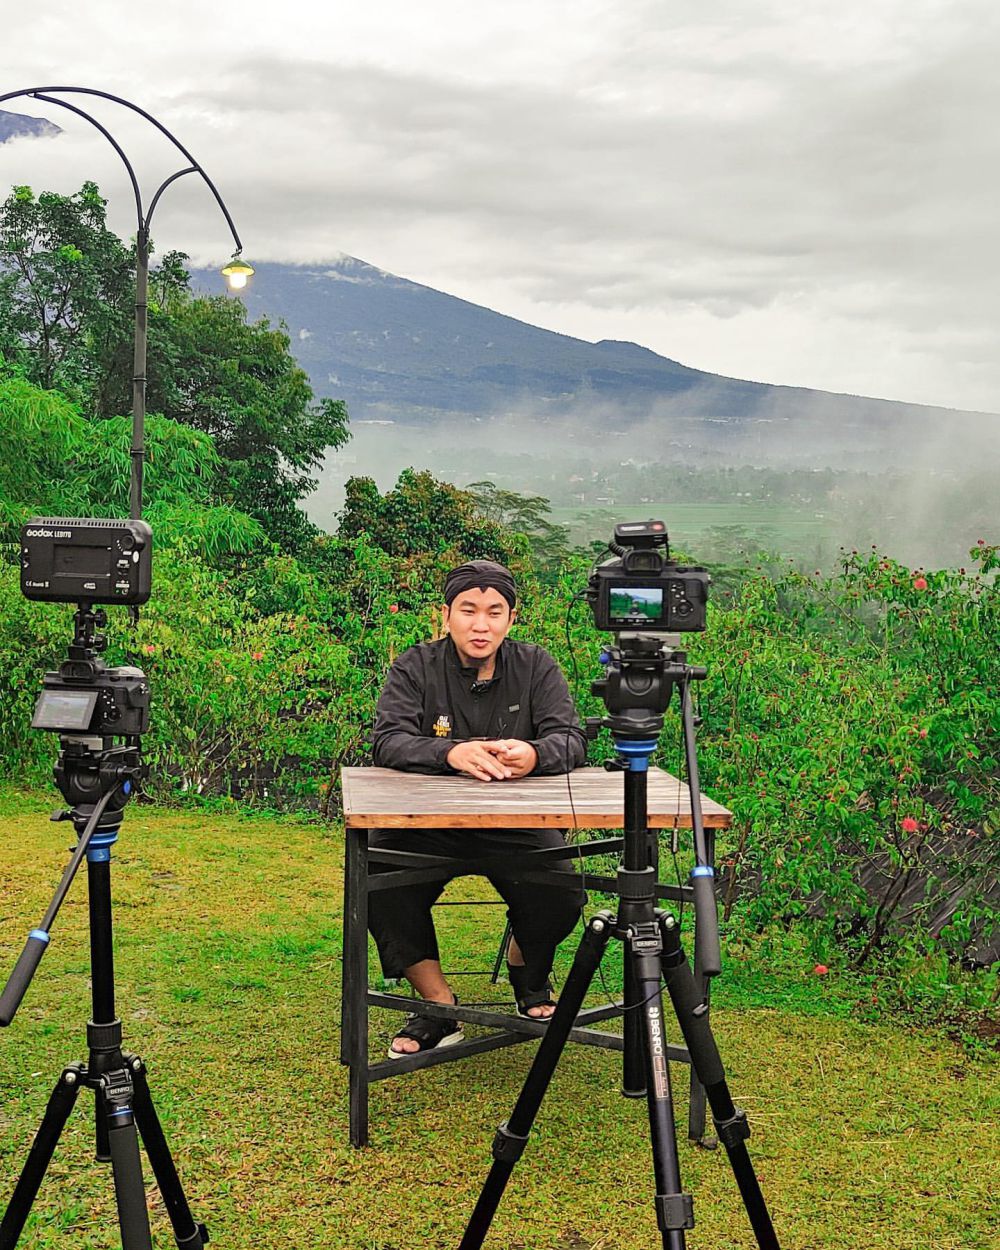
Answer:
(18, 125)
(406, 354)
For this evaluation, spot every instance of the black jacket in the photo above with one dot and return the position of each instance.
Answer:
(430, 702)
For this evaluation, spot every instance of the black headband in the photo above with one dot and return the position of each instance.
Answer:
(480, 575)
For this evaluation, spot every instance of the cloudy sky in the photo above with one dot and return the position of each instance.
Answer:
(791, 190)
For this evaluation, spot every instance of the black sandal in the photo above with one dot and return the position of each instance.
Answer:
(517, 975)
(429, 1032)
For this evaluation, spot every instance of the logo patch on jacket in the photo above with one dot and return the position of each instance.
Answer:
(442, 726)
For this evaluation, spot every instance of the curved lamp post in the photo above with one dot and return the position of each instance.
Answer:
(236, 271)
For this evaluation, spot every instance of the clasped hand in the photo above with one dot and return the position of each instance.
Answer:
(499, 759)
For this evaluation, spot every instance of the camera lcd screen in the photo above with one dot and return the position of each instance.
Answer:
(635, 605)
(81, 559)
(69, 710)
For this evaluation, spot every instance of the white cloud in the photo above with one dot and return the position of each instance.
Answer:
(793, 193)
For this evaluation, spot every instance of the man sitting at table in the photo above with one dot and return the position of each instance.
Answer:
(479, 703)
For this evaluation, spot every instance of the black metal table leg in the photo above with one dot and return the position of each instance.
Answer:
(354, 1037)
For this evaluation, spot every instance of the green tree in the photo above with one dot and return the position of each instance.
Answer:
(59, 464)
(421, 518)
(66, 292)
(239, 382)
(524, 514)
(66, 287)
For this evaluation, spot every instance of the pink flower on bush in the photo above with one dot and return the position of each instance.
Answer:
(909, 825)
(393, 607)
(923, 733)
(149, 648)
(257, 655)
(920, 583)
(821, 970)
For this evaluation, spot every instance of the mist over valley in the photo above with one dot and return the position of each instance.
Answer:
(609, 430)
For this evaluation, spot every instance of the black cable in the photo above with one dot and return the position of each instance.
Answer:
(569, 783)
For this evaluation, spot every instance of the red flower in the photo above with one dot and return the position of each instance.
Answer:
(393, 607)
(149, 649)
(821, 970)
(257, 655)
(920, 583)
(909, 825)
(923, 733)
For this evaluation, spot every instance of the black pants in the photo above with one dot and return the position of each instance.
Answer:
(540, 915)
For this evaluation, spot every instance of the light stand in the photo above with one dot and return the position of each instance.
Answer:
(92, 706)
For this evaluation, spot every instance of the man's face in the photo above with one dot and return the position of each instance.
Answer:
(478, 621)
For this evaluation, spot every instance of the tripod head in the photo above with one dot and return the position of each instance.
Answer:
(641, 673)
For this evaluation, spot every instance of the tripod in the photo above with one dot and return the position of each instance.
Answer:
(640, 677)
(123, 1105)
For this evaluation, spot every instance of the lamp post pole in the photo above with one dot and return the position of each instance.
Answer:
(137, 452)
(236, 271)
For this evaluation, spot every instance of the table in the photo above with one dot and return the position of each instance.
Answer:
(589, 799)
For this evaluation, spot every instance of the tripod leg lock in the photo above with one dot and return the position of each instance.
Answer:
(507, 1146)
(104, 1037)
(674, 1211)
(197, 1239)
(734, 1130)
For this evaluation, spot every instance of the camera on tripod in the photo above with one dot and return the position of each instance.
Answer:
(644, 598)
(100, 714)
(643, 590)
(89, 698)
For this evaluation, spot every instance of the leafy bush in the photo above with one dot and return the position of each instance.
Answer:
(852, 726)
(850, 722)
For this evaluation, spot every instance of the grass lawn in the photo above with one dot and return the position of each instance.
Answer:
(228, 970)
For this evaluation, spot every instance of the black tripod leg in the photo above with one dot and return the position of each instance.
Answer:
(730, 1122)
(633, 1064)
(57, 1112)
(123, 1142)
(674, 1208)
(512, 1137)
(187, 1234)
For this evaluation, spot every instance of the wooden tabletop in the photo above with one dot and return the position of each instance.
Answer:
(389, 798)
